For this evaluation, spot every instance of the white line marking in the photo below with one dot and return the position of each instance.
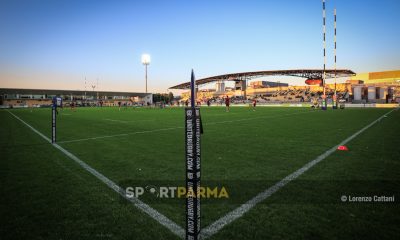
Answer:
(113, 120)
(221, 114)
(123, 121)
(240, 211)
(253, 118)
(120, 135)
(173, 128)
(160, 218)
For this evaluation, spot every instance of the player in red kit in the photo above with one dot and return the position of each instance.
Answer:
(227, 102)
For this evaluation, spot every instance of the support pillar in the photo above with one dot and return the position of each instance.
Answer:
(382, 92)
(371, 94)
(244, 88)
(357, 93)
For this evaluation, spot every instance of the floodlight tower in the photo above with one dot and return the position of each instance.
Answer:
(324, 102)
(334, 14)
(335, 94)
(146, 62)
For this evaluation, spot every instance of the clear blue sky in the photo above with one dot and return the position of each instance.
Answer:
(56, 43)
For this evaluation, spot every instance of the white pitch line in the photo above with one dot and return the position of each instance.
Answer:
(160, 218)
(253, 118)
(244, 208)
(120, 135)
(221, 114)
(113, 120)
(123, 121)
(174, 128)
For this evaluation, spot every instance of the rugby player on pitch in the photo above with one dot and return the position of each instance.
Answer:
(227, 102)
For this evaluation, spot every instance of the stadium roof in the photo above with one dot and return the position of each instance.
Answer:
(67, 92)
(304, 73)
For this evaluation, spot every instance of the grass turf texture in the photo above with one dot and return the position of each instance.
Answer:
(47, 195)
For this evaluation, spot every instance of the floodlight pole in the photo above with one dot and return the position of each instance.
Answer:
(146, 62)
(335, 95)
(146, 75)
(324, 102)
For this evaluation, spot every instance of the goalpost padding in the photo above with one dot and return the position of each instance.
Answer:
(193, 159)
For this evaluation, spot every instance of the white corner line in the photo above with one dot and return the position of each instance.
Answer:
(244, 208)
(160, 218)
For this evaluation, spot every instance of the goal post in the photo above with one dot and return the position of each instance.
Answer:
(193, 131)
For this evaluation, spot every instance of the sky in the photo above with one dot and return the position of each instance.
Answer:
(56, 44)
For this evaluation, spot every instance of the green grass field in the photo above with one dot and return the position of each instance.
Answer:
(46, 195)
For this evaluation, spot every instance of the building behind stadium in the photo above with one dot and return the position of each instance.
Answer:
(14, 97)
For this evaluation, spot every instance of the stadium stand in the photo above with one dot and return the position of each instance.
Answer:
(15, 98)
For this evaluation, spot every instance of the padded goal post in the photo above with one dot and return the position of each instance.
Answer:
(57, 102)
